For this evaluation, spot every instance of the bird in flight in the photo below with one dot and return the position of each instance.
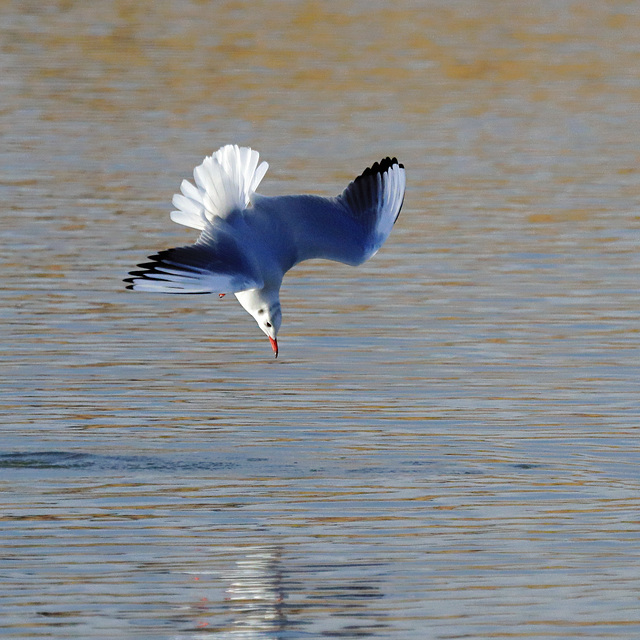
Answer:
(248, 242)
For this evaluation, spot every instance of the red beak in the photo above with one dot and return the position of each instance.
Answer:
(274, 345)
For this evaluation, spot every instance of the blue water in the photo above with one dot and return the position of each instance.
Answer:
(446, 447)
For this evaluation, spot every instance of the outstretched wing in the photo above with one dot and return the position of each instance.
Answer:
(216, 263)
(350, 228)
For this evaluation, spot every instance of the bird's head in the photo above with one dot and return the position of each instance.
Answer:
(266, 311)
(269, 319)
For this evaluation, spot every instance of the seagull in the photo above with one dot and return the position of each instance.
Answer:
(248, 241)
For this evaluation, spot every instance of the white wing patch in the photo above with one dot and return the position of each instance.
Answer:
(224, 182)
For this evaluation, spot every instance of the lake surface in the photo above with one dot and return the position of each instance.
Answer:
(447, 446)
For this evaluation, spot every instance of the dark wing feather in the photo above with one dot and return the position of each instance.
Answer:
(216, 263)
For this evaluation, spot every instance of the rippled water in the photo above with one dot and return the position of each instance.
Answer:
(447, 446)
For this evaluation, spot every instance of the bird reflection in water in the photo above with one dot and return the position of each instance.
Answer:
(337, 604)
(256, 594)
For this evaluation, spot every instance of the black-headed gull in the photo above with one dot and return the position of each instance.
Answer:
(248, 241)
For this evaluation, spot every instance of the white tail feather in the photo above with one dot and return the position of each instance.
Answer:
(225, 181)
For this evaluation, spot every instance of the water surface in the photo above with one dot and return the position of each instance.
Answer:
(447, 446)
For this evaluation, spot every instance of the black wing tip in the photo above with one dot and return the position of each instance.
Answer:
(146, 272)
(153, 272)
(380, 167)
(162, 258)
(144, 268)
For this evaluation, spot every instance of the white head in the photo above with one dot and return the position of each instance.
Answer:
(264, 306)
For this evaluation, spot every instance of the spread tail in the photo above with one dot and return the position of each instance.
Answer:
(224, 182)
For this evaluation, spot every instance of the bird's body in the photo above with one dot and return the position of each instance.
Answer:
(248, 241)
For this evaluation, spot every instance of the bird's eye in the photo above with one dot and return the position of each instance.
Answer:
(267, 324)
(260, 312)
